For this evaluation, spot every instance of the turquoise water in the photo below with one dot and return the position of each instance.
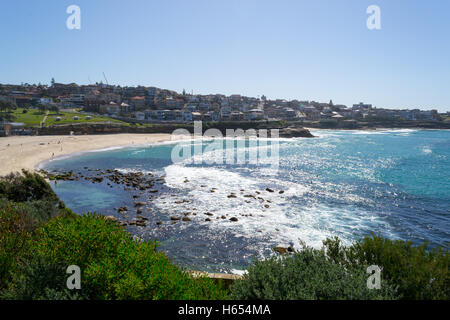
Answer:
(345, 183)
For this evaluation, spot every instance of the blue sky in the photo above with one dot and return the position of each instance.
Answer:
(312, 50)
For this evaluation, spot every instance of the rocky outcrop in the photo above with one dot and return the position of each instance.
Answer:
(108, 128)
(283, 250)
(295, 132)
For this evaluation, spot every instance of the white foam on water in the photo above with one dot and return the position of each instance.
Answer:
(280, 223)
(398, 132)
(427, 149)
(219, 204)
(133, 170)
(324, 133)
(108, 149)
(369, 132)
(238, 272)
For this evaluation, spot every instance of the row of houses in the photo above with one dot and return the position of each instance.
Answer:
(137, 102)
(314, 111)
(187, 114)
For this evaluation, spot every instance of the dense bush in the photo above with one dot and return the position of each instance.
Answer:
(418, 271)
(114, 265)
(27, 187)
(39, 238)
(17, 223)
(40, 280)
(14, 236)
(306, 274)
(26, 202)
(34, 213)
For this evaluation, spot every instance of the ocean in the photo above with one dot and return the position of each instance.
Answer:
(394, 183)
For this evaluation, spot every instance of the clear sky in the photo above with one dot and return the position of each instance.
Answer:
(300, 49)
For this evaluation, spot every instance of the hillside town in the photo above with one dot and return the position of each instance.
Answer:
(154, 105)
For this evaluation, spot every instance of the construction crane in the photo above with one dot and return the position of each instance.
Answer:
(105, 79)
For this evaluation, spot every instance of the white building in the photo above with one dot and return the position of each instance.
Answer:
(76, 99)
(225, 112)
(255, 114)
(187, 116)
(139, 115)
(45, 101)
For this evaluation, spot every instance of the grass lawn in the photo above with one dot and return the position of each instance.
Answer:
(32, 118)
(68, 117)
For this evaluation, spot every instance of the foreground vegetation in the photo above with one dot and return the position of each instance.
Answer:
(338, 272)
(40, 238)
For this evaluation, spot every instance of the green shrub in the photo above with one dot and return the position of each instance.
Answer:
(40, 280)
(80, 240)
(18, 220)
(306, 274)
(34, 254)
(27, 187)
(37, 212)
(115, 266)
(419, 271)
(14, 236)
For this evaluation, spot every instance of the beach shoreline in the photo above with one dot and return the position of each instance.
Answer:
(31, 152)
(28, 152)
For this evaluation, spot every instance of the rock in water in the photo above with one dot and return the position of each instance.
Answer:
(112, 218)
(280, 250)
(139, 204)
(295, 132)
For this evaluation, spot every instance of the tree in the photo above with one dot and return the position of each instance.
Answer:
(6, 105)
(3, 105)
(53, 82)
(54, 109)
(42, 107)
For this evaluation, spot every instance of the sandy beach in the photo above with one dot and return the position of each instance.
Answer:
(25, 152)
